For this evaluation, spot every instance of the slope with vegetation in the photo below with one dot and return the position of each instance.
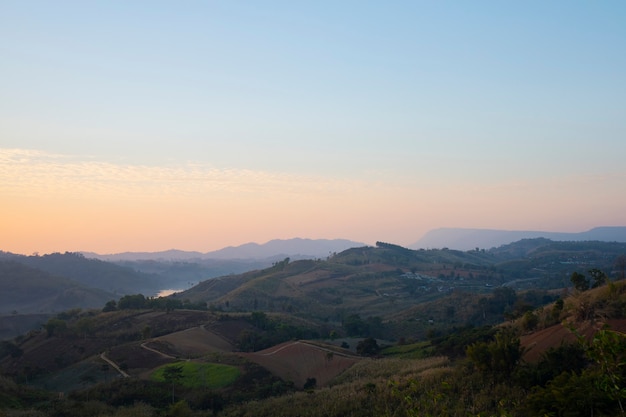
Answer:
(369, 332)
(29, 290)
(90, 273)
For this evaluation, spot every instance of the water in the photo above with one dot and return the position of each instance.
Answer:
(165, 293)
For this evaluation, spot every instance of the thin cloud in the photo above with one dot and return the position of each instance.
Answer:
(35, 172)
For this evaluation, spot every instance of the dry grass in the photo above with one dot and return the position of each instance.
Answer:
(369, 388)
(390, 368)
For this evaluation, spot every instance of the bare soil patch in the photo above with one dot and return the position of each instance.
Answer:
(136, 360)
(230, 328)
(537, 343)
(195, 342)
(297, 361)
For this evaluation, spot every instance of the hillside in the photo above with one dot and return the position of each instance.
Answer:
(90, 272)
(267, 359)
(29, 290)
(388, 279)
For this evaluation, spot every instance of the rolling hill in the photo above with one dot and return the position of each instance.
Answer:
(91, 273)
(110, 359)
(29, 290)
(388, 279)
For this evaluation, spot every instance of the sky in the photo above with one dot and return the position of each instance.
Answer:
(196, 125)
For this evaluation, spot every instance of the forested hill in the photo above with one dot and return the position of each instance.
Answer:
(30, 290)
(90, 273)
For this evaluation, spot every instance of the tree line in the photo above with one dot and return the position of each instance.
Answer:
(141, 302)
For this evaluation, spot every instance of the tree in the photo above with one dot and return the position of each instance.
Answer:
(132, 302)
(497, 358)
(608, 351)
(310, 383)
(580, 281)
(530, 320)
(86, 326)
(259, 320)
(375, 326)
(55, 326)
(368, 347)
(599, 278)
(620, 263)
(355, 326)
(173, 374)
(146, 332)
(110, 306)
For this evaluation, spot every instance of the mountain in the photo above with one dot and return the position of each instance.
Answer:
(297, 247)
(466, 239)
(277, 249)
(167, 255)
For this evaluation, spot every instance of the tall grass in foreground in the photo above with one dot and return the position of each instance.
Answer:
(390, 368)
(397, 388)
(369, 388)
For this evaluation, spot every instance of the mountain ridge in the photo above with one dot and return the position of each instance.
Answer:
(295, 247)
(305, 248)
(468, 238)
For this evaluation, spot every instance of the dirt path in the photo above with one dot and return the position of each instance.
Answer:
(346, 355)
(165, 355)
(113, 364)
(279, 349)
(304, 342)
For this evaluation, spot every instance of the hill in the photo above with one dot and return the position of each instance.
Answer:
(466, 239)
(91, 273)
(384, 281)
(108, 360)
(29, 290)
(388, 279)
(178, 270)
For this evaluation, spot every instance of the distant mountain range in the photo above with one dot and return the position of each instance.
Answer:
(466, 239)
(296, 248)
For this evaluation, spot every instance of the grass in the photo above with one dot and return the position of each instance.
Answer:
(419, 350)
(389, 368)
(201, 375)
(369, 388)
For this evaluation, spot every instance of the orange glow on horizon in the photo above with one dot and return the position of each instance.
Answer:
(54, 205)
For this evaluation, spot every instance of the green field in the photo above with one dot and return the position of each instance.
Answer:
(201, 375)
(419, 350)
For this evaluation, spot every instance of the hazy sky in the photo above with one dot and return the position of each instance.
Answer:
(149, 125)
